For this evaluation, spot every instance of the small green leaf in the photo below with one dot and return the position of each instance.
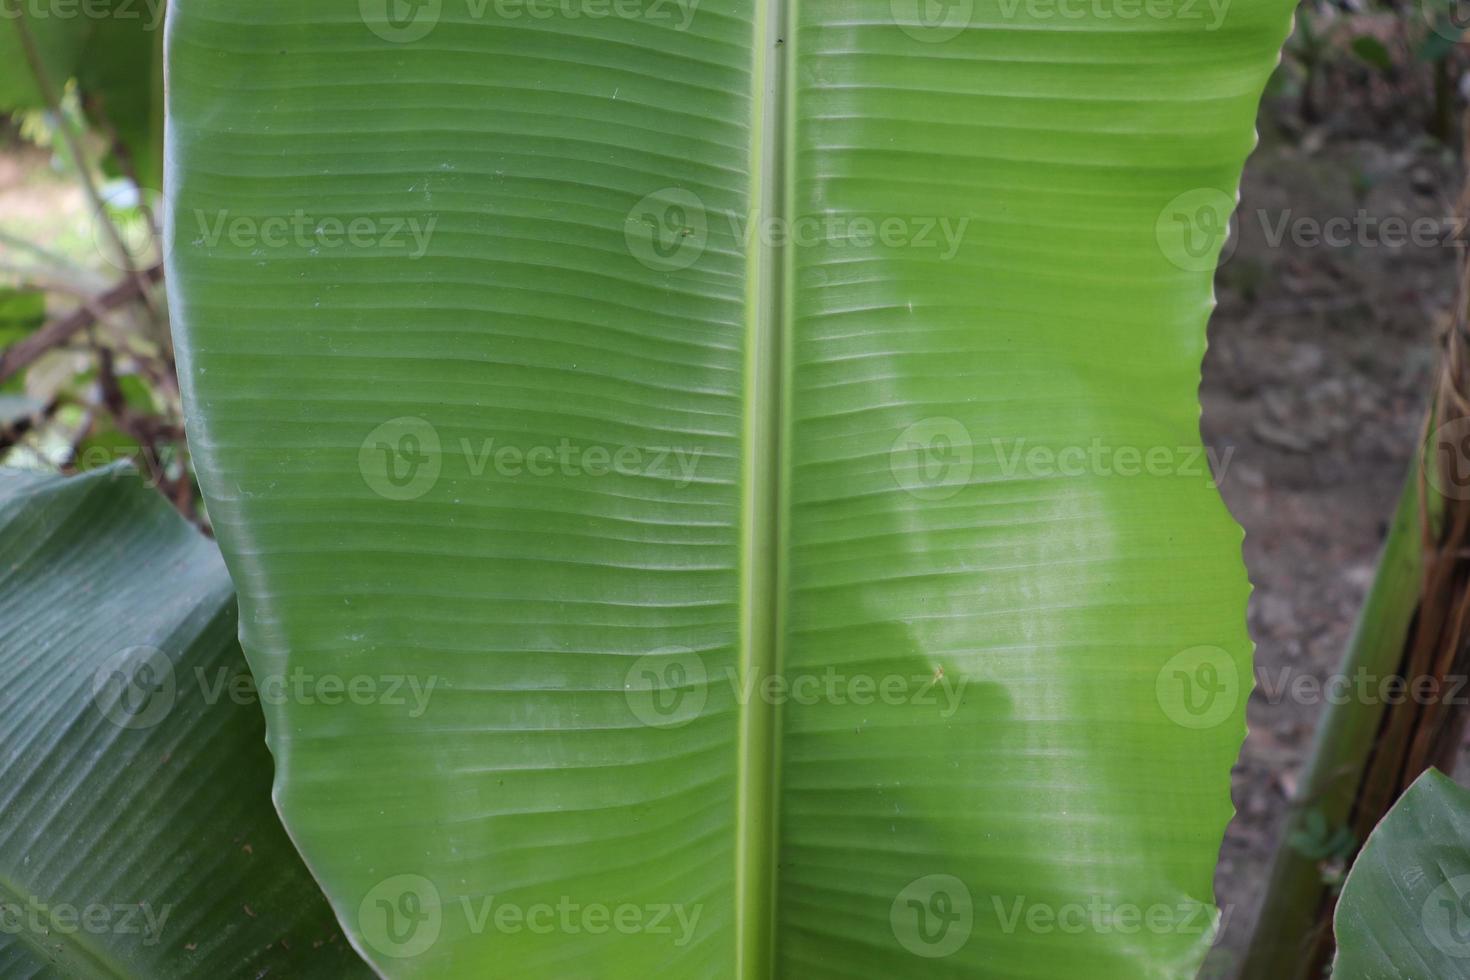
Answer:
(1371, 50)
(21, 311)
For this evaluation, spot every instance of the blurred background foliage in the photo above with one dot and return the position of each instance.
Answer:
(87, 374)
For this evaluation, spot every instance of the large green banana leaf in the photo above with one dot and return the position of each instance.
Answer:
(766, 436)
(136, 837)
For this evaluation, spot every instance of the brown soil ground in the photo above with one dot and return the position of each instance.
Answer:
(1317, 378)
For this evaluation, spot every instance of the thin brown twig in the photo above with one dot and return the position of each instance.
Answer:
(59, 331)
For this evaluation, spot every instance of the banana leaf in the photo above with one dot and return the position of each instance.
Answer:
(747, 458)
(1403, 910)
(137, 838)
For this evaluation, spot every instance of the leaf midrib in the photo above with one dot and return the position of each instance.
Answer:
(763, 485)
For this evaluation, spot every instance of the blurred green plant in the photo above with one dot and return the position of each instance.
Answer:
(86, 363)
(1412, 48)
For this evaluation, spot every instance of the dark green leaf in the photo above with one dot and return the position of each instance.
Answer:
(1404, 913)
(1372, 51)
(139, 839)
(21, 311)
